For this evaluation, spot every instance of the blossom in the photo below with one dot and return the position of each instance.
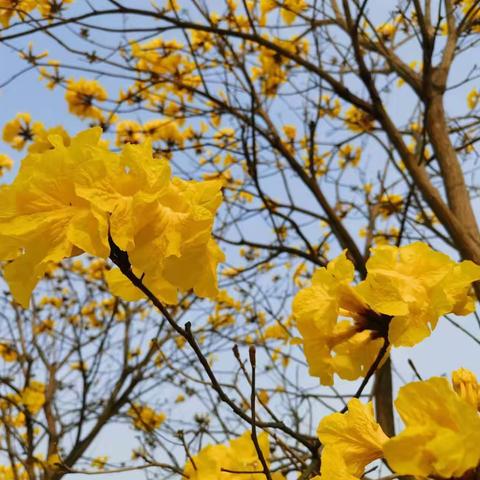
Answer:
(327, 107)
(10, 8)
(145, 418)
(472, 98)
(291, 9)
(390, 203)
(164, 129)
(128, 131)
(406, 290)
(354, 439)
(441, 435)
(80, 96)
(358, 120)
(20, 130)
(53, 77)
(8, 352)
(75, 198)
(153, 217)
(33, 396)
(348, 155)
(240, 455)
(49, 9)
(416, 286)
(386, 31)
(440, 438)
(347, 348)
(333, 466)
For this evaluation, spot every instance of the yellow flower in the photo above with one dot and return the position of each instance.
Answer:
(349, 156)
(416, 286)
(291, 9)
(333, 466)
(33, 396)
(263, 396)
(10, 8)
(354, 437)
(386, 31)
(80, 96)
(128, 131)
(358, 120)
(53, 77)
(442, 432)
(151, 215)
(466, 386)
(347, 348)
(407, 289)
(327, 108)
(388, 204)
(20, 130)
(469, 6)
(145, 418)
(6, 163)
(50, 9)
(240, 456)
(69, 199)
(8, 352)
(208, 463)
(46, 326)
(164, 129)
(472, 98)
(99, 462)
(277, 331)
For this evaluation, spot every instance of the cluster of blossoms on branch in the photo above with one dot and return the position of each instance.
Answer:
(81, 197)
(407, 289)
(441, 436)
(239, 457)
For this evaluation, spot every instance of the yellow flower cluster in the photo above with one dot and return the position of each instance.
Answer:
(21, 8)
(80, 197)
(358, 120)
(349, 155)
(440, 439)
(8, 352)
(239, 456)
(21, 130)
(390, 203)
(166, 130)
(289, 9)
(164, 59)
(33, 396)
(81, 95)
(272, 71)
(472, 98)
(13, 472)
(406, 291)
(145, 418)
